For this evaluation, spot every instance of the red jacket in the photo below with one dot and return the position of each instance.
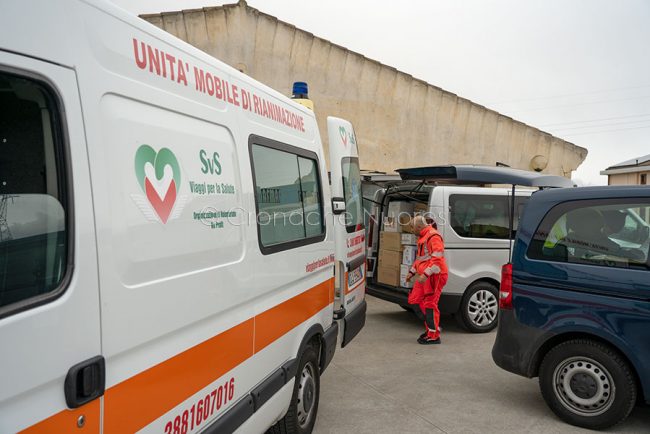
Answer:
(430, 257)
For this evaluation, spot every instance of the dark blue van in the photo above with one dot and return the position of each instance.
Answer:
(575, 302)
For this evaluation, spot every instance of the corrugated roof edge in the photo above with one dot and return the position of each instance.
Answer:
(631, 162)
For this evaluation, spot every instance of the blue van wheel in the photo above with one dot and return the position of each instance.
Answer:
(587, 384)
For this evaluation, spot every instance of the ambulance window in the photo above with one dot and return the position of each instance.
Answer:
(33, 220)
(287, 194)
(311, 199)
(352, 193)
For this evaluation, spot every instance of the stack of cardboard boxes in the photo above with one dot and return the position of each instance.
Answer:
(397, 217)
(397, 243)
(409, 245)
(390, 258)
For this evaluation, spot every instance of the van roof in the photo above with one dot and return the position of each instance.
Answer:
(595, 192)
(476, 174)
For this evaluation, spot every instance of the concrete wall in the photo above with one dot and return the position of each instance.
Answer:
(400, 121)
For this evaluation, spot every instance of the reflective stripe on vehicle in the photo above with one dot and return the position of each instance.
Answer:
(166, 384)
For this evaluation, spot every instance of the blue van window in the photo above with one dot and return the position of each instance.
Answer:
(607, 233)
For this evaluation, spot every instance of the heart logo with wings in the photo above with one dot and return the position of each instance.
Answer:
(159, 176)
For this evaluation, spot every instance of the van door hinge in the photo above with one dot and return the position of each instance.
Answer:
(85, 381)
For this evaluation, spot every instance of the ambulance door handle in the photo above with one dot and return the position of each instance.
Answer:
(85, 381)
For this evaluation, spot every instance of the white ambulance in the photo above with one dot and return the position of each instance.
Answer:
(168, 238)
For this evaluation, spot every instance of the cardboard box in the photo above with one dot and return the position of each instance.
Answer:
(409, 239)
(398, 212)
(390, 241)
(388, 276)
(401, 223)
(403, 272)
(390, 259)
(420, 207)
(390, 224)
(408, 255)
(397, 208)
(405, 223)
(423, 210)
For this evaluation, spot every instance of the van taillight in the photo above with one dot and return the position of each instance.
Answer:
(505, 292)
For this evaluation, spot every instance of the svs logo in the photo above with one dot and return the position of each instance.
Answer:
(210, 165)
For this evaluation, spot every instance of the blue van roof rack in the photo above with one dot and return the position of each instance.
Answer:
(475, 174)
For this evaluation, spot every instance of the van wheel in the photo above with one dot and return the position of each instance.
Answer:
(301, 416)
(587, 384)
(479, 309)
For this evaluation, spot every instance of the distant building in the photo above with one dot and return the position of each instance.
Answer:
(631, 172)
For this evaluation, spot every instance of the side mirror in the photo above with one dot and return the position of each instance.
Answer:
(338, 205)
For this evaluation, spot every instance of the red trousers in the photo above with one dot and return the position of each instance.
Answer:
(426, 295)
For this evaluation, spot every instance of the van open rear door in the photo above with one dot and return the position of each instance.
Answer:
(349, 231)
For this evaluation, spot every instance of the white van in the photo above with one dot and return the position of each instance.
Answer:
(474, 221)
(167, 244)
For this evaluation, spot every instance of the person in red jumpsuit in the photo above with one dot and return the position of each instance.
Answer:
(430, 269)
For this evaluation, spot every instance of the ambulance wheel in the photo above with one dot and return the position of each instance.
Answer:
(479, 309)
(301, 416)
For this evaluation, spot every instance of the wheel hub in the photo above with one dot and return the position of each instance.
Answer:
(584, 385)
(308, 396)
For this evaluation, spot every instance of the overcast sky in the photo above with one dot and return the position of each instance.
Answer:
(579, 69)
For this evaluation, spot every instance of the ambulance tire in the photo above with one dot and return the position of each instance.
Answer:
(301, 416)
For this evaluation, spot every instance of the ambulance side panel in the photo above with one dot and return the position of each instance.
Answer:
(193, 313)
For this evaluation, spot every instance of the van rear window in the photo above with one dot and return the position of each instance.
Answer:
(33, 218)
(608, 233)
(288, 195)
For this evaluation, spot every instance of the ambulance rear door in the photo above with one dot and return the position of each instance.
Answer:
(349, 230)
